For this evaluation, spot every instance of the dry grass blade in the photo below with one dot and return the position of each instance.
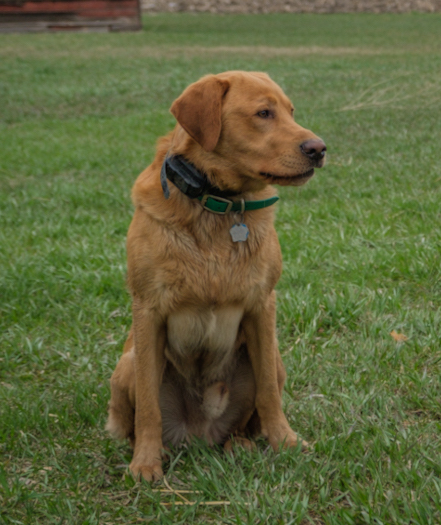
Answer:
(178, 493)
(200, 503)
(394, 94)
(185, 501)
(168, 491)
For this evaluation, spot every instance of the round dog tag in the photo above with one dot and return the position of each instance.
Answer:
(239, 232)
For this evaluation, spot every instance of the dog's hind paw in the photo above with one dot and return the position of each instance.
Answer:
(238, 442)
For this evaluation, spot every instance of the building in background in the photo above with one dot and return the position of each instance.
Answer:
(69, 15)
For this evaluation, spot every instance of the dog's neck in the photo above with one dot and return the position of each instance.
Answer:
(188, 179)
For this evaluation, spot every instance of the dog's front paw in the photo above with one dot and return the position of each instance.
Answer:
(292, 440)
(286, 437)
(152, 472)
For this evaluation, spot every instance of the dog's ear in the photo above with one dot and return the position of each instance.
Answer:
(199, 110)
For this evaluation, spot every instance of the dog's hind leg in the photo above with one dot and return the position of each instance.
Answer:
(121, 418)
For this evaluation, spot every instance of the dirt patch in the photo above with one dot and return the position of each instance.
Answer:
(292, 6)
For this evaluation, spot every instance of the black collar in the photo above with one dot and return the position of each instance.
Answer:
(188, 179)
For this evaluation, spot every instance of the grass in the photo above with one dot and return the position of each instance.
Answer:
(80, 114)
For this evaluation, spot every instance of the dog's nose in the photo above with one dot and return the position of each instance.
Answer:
(314, 149)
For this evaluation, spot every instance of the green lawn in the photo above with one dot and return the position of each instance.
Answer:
(80, 114)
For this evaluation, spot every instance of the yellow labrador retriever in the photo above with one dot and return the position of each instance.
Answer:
(202, 357)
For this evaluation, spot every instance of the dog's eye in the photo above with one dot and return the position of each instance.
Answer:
(265, 113)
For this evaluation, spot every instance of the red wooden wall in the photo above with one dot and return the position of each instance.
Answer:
(58, 15)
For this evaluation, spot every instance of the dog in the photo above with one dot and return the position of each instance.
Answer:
(202, 356)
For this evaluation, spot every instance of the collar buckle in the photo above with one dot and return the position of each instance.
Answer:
(228, 202)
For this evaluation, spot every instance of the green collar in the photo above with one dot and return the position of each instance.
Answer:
(222, 206)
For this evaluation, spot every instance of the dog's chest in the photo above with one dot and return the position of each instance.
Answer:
(201, 342)
(212, 277)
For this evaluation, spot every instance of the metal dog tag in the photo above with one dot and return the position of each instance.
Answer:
(239, 232)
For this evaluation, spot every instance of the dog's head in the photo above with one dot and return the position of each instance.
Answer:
(243, 123)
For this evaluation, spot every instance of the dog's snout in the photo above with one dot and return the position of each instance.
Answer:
(314, 149)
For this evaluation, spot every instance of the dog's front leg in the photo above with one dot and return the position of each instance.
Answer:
(260, 333)
(150, 337)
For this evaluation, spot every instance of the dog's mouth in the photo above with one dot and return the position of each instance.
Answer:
(286, 180)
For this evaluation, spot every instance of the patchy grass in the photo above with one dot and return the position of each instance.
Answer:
(79, 119)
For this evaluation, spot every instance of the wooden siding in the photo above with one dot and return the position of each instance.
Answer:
(74, 15)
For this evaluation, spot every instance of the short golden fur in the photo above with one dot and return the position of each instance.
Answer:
(202, 357)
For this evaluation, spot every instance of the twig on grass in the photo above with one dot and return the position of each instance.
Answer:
(185, 501)
(172, 491)
(206, 503)
(177, 493)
